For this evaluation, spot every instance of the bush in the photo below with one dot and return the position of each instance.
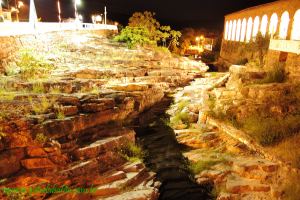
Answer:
(132, 152)
(134, 36)
(32, 65)
(144, 29)
(275, 75)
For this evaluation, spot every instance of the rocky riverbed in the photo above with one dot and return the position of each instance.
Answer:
(69, 129)
(95, 120)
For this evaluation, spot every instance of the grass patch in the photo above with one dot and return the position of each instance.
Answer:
(6, 95)
(182, 104)
(268, 131)
(292, 187)
(180, 116)
(60, 115)
(16, 195)
(38, 88)
(33, 65)
(55, 90)
(41, 138)
(132, 152)
(276, 75)
(43, 106)
(288, 150)
(199, 166)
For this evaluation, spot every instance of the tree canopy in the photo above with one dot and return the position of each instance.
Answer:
(144, 29)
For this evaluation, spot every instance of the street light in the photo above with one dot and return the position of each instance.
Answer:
(76, 3)
(59, 11)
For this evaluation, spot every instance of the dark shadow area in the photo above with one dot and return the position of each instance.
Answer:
(164, 156)
(212, 68)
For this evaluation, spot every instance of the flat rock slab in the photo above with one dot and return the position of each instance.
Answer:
(37, 163)
(238, 185)
(106, 144)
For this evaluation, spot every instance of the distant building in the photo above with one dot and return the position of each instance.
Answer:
(279, 19)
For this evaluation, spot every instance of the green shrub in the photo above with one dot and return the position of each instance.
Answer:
(144, 29)
(134, 36)
(43, 106)
(32, 65)
(201, 165)
(132, 152)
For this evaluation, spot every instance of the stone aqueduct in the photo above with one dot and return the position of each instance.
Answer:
(280, 19)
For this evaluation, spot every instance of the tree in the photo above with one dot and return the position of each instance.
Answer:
(145, 20)
(143, 28)
(133, 36)
(259, 45)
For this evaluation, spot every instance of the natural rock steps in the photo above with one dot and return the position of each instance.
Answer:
(105, 144)
(130, 179)
(236, 170)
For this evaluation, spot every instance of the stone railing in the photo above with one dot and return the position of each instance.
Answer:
(290, 46)
(12, 28)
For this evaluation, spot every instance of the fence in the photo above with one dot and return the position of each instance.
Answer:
(20, 28)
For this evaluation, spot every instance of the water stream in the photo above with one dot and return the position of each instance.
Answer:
(164, 156)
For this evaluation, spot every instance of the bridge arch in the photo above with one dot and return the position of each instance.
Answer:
(296, 26)
(229, 30)
(233, 30)
(226, 31)
(284, 25)
(249, 29)
(243, 30)
(264, 25)
(273, 24)
(238, 30)
(255, 26)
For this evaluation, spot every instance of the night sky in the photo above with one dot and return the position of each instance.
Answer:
(179, 14)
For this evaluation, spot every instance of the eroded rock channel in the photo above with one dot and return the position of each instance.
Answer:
(69, 135)
(164, 157)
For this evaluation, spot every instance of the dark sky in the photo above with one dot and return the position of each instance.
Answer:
(178, 14)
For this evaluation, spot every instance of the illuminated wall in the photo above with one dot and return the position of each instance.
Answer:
(280, 19)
